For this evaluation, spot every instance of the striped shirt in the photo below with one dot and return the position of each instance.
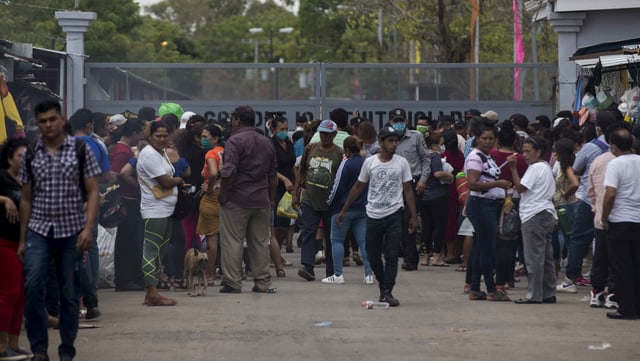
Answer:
(56, 192)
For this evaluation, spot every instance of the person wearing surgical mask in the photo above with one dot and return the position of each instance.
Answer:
(422, 125)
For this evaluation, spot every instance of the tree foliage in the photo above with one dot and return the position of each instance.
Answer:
(324, 30)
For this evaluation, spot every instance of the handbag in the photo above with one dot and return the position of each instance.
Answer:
(157, 191)
(509, 225)
(112, 211)
(187, 202)
(285, 208)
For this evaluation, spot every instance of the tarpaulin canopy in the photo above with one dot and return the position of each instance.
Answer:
(613, 54)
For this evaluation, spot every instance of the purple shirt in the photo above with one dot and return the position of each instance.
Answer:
(251, 158)
(56, 194)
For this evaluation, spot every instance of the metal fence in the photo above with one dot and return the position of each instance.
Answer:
(314, 89)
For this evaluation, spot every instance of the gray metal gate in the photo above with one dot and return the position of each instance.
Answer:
(314, 89)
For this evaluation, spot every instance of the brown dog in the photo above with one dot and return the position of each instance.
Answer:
(195, 265)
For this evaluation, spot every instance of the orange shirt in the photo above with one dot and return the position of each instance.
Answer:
(215, 154)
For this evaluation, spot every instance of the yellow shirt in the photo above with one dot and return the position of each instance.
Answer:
(8, 109)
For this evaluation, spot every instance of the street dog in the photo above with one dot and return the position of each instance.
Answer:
(195, 265)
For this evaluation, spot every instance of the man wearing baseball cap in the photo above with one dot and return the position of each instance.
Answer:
(318, 168)
(412, 147)
(341, 118)
(389, 178)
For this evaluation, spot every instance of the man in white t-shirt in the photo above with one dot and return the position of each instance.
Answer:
(389, 177)
(621, 224)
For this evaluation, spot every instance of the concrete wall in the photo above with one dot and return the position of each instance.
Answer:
(607, 26)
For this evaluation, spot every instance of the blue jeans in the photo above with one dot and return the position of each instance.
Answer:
(310, 222)
(581, 237)
(357, 222)
(484, 214)
(384, 235)
(40, 250)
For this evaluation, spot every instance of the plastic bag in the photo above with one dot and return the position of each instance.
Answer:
(446, 167)
(285, 208)
(170, 108)
(106, 244)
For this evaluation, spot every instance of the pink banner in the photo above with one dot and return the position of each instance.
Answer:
(518, 51)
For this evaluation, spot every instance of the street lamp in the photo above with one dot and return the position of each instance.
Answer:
(286, 30)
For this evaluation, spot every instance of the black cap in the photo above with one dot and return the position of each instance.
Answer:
(386, 132)
(471, 113)
(397, 113)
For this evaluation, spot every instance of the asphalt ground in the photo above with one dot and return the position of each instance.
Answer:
(314, 321)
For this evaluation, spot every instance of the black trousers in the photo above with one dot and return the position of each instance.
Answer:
(434, 213)
(505, 259)
(601, 275)
(623, 245)
(409, 244)
(128, 248)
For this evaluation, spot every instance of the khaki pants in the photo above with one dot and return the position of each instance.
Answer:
(238, 224)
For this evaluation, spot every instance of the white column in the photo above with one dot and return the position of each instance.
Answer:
(75, 24)
(567, 25)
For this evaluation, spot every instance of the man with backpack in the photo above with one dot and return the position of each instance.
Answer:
(58, 175)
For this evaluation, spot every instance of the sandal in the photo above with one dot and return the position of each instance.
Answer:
(281, 273)
(439, 264)
(461, 268)
(175, 285)
(455, 260)
(159, 301)
(424, 260)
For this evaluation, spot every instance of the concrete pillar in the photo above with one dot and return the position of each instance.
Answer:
(75, 24)
(567, 25)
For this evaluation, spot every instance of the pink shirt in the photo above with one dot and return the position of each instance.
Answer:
(595, 186)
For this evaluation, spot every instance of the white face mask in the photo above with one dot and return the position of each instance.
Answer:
(298, 128)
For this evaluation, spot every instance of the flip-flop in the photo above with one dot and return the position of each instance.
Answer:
(455, 260)
(439, 264)
(461, 268)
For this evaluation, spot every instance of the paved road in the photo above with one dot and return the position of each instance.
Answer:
(434, 322)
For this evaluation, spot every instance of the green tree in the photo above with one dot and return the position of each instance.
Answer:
(194, 15)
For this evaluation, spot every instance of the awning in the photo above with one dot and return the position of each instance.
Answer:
(616, 47)
(609, 61)
(610, 55)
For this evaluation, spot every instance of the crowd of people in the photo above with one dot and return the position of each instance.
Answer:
(497, 198)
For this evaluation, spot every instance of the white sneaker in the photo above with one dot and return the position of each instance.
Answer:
(609, 301)
(567, 286)
(368, 280)
(597, 299)
(334, 279)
